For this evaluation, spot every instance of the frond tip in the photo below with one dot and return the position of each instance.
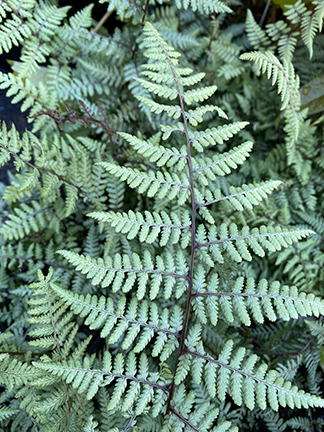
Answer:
(282, 74)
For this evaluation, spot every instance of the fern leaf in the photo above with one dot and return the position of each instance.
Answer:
(86, 379)
(82, 18)
(15, 373)
(199, 95)
(240, 198)
(6, 412)
(169, 129)
(294, 12)
(155, 153)
(257, 37)
(196, 116)
(319, 12)
(13, 32)
(52, 327)
(204, 6)
(148, 226)
(172, 111)
(237, 242)
(222, 164)
(288, 84)
(128, 321)
(187, 413)
(25, 220)
(262, 300)
(159, 89)
(309, 26)
(123, 272)
(159, 184)
(252, 383)
(215, 136)
(287, 44)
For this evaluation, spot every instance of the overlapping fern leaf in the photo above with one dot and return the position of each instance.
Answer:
(141, 324)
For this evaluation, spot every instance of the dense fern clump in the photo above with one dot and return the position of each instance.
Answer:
(161, 236)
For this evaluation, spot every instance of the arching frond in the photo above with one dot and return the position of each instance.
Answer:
(282, 74)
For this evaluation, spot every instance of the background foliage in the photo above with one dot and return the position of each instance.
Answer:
(104, 212)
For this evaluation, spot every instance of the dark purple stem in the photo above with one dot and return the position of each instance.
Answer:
(193, 229)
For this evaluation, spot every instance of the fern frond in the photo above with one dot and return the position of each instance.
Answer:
(157, 153)
(319, 12)
(148, 226)
(172, 111)
(6, 412)
(160, 90)
(129, 321)
(237, 242)
(126, 10)
(53, 328)
(204, 6)
(287, 44)
(15, 373)
(143, 387)
(186, 413)
(25, 220)
(257, 37)
(81, 18)
(13, 31)
(123, 272)
(215, 136)
(309, 26)
(240, 198)
(244, 382)
(196, 116)
(180, 40)
(198, 95)
(282, 74)
(161, 184)
(294, 12)
(260, 299)
(221, 164)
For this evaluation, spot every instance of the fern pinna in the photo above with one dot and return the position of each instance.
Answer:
(158, 361)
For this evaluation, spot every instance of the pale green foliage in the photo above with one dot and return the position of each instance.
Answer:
(258, 299)
(161, 184)
(134, 284)
(204, 6)
(149, 226)
(163, 270)
(14, 373)
(256, 35)
(288, 86)
(138, 320)
(85, 379)
(239, 376)
(301, 22)
(102, 314)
